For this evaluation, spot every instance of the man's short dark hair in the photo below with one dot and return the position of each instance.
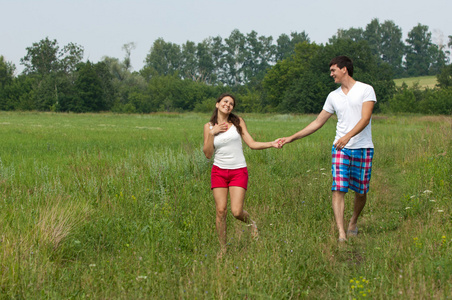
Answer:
(343, 61)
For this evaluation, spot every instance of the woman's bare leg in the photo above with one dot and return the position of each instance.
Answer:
(221, 202)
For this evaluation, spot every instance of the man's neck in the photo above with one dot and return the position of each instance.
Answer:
(347, 84)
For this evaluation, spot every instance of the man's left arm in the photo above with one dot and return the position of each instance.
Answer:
(366, 114)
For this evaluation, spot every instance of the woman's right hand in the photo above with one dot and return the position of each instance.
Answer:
(219, 128)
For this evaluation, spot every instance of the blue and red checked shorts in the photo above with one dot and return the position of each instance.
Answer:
(229, 177)
(351, 169)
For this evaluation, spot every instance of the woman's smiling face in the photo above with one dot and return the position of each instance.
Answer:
(226, 105)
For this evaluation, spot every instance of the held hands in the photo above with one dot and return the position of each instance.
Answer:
(282, 141)
(219, 128)
(277, 144)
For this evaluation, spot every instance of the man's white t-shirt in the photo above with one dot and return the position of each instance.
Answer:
(348, 109)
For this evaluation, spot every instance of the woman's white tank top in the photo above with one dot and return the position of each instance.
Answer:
(228, 149)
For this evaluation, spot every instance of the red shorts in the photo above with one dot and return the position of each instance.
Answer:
(223, 178)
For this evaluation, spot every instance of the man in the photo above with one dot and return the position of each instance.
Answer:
(352, 151)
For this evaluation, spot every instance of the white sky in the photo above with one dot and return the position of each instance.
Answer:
(102, 27)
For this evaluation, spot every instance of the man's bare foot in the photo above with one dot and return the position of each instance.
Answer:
(352, 232)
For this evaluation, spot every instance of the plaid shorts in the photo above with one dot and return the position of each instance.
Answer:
(352, 169)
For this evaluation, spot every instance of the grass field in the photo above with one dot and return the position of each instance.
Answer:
(423, 81)
(106, 206)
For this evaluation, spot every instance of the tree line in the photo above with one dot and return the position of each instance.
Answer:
(289, 75)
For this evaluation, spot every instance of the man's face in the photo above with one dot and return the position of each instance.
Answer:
(337, 74)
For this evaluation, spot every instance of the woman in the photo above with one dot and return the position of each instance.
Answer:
(223, 137)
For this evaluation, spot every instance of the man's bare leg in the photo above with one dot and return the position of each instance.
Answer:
(360, 202)
(338, 208)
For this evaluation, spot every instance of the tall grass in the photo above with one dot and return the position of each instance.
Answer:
(119, 207)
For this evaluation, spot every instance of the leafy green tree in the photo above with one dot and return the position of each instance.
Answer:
(106, 84)
(46, 57)
(91, 91)
(172, 94)
(119, 83)
(392, 47)
(6, 78)
(420, 51)
(18, 94)
(218, 58)
(127, 61)
(206, 65)
(89, 94)
(52, 69)
(285, 45)
(439, 58)
(353, 34)
(299, 37)
(41, 58)
(189, 61)
(259, 51)
(7, 70)
(235, 56)
(284, 76)
(416, 100)
(403, 101)
(164, 58)
(445, 77)
(385, 42)
(437, 102)
(372, 34)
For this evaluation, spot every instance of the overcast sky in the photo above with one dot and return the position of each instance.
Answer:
(102, 27)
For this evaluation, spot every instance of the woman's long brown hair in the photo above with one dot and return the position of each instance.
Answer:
(232, 118)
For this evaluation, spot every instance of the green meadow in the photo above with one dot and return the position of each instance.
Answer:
(107, 206)
(422, 81)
